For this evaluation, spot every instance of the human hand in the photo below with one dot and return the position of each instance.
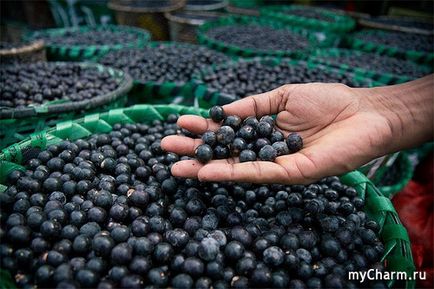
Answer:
(341, 131)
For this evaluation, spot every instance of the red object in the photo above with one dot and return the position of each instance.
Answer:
(415, 206)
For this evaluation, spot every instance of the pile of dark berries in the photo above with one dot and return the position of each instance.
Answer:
(105, 212)
(22, 85)
(401, 40)
(258, 37)
(76, 37)
(250, 140)
(164, 62)
(377, 63)
(257, 76)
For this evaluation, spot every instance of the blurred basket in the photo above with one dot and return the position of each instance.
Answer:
(313, 40)
(381, 22)
(380, 77)
(86, 52)
(146, 14)
(394, 236)
(29, 53)
(153, 92)
(16, 124)
(205, 97)
(341, 23)
(183, 24)
(205, 5)
(359, 44)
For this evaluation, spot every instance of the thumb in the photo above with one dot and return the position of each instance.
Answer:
(258, 105)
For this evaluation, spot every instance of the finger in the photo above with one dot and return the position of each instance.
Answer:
(260, 104)
(190, 168)
(197, 124)
(186, 169)
(253, 172)
(180, 145)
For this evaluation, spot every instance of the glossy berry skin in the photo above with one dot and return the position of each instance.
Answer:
(237, 146)
(225, 135)
(281, 148)
(247, 132)
(267, 153)
(233, 121)
(273, 256)
(209, 138)
(204, 153)
(294, 142)
(247, 156)
(264, 129)
(217, 113)
(221, 152)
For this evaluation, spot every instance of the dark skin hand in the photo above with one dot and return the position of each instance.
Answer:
(342, 129)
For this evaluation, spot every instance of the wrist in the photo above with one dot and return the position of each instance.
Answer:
(406, 109)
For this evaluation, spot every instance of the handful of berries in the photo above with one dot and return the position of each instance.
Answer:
(249, 139)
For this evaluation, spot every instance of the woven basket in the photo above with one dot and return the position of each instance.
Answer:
(377, 207)
(29, 53)
(16, 124)
(87, 52)
(206, 97)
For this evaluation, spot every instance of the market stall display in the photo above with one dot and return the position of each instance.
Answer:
(88, 42)
(136, 225)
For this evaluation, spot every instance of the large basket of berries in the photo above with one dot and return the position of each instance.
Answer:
(255, 36)
(414, 47)
(381, 68)
(225, 83)
(93, 203)
(310, 17)
(88, 42)
(35, 96)
(162, 70)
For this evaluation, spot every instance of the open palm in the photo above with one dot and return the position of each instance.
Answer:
(339, 131)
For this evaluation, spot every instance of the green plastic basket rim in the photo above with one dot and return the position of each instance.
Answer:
(344, 23)
(355, 41)
(392, 233)
(145, 36)
(230, 20)
(197, 77)
(316, 55)
(125, 84)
